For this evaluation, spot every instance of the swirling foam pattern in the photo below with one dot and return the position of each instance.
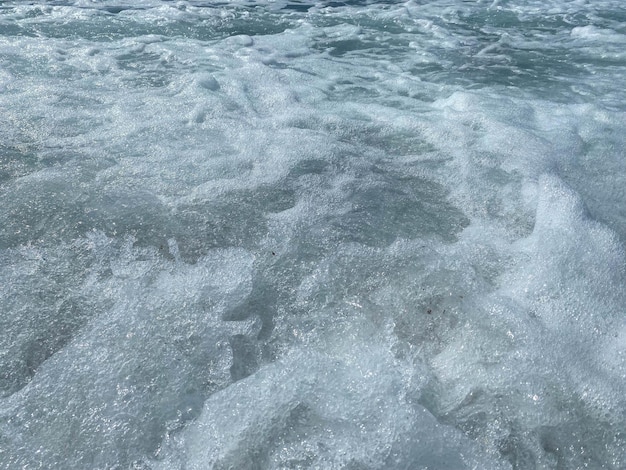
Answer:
(313, 235)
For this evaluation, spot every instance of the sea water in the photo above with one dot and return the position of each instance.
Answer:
(313, 235)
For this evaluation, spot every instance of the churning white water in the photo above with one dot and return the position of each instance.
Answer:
(313, 235)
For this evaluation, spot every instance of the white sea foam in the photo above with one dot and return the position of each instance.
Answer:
(292, 235)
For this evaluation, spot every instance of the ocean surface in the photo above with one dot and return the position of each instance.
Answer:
(293, 234)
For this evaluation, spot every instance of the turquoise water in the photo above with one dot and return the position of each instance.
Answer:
(343, 235)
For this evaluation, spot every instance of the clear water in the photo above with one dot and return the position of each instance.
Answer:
(325, 235)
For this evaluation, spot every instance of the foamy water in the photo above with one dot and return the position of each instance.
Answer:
(332, 235)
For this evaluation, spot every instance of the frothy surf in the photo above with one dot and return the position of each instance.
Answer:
(312, 235)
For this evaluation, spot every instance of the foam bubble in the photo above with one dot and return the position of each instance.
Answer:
(325, 410)
(139, 366)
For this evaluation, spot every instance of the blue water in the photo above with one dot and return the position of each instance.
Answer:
(313, 235)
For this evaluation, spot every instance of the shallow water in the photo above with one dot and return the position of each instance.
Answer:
(351, 235)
